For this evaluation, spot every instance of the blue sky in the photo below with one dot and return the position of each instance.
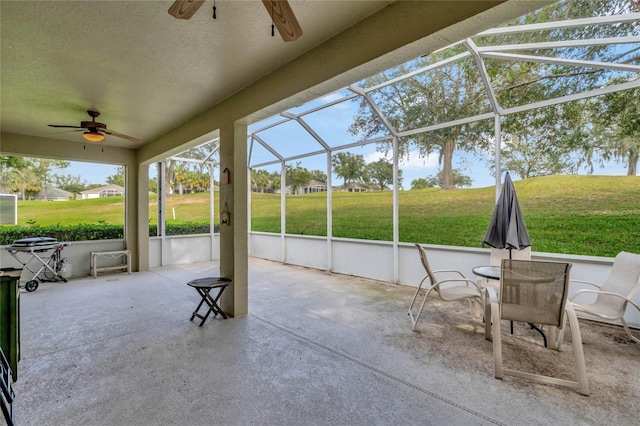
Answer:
(90, 172)
(332, 126)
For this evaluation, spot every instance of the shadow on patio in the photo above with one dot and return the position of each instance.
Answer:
(316, 348)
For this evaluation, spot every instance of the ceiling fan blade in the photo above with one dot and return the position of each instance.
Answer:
(119, 135)
(66, 131)
(184, 9)
(284, 19)
(69, 127)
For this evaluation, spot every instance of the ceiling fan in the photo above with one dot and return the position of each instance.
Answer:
(95, 131)
(279, 10)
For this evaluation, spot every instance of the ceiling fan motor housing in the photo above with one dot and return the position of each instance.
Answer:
(92, 124)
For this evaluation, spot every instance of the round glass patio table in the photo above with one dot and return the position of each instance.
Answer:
(490, 272)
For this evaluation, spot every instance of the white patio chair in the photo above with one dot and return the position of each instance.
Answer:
(536, 292)
(449, 289)
(616, 292)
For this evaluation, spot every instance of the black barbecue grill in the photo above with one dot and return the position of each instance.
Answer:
(45, 252)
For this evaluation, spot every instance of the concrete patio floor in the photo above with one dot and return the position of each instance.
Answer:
(316, 348)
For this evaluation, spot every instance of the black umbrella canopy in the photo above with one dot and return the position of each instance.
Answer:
(507, 229)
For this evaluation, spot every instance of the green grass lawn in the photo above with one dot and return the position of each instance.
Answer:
(589, 215)
(44, 213)
(110, 210)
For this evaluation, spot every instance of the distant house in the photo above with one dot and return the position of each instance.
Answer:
(103, 191)
(353, 187)
(312, 186)
(190, 190)
(287, 190)
(54, 194)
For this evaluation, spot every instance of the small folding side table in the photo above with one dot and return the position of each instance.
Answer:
(204, 286)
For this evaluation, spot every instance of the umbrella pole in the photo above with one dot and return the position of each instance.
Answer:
(511, 323)
(533, 326)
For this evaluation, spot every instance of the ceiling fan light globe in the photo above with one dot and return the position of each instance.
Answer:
(93, 136)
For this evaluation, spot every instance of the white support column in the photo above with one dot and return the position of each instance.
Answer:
(249, 199)
(212, 225)
(498, 141)
(396, 220)
(329, 213)
(233, 236)
(283, 208)
(162, 202)
(138, 246)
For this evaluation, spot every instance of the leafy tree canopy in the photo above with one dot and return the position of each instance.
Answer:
(381, 173)
(456, 90)
(117, 178)
(348, 166)
(459, 180)
(297, 176)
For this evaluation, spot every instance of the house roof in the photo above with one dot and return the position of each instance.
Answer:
(102, 188)
(314, 182)
(51, 193)
(356, 185)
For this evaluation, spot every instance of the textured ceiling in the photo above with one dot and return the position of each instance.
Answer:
(145, 71)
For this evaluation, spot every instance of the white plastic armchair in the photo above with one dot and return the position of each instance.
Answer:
(615, 294)
(449, 290)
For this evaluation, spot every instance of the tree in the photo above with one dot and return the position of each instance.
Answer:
(264, 180)
(73, 184)
(523, 159)
(459, 180)
(297, 176)
(180, 177)
(13, 162)
(169, 165)
(16, 174)
(118, 178)
(8, 167)
(573, 126)
(381, 172)
(31, 191)
(318, 175)
(153, 185)
(43, 168)
(348, 166)
(419, 183)
(275, 181)
(260, 179)
(200, 153)
(25, 182)
(199, 181)
(455, 90)
(619, 115)
(530, 151)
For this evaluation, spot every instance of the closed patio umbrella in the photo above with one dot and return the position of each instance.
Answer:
(507, 229)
